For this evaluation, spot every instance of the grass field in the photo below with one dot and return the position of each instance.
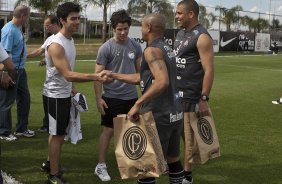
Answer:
(248, 125)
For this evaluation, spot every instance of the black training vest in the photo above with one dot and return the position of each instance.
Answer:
(166, 107)
(190, 72)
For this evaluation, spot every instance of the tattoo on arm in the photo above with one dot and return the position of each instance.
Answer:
(155, 60)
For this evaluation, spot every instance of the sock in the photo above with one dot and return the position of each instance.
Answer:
(102, 164)
(147, 181)
(176, 172)
(280, 100)
(188, 175)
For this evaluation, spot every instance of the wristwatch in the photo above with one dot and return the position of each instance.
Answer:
(204, 98)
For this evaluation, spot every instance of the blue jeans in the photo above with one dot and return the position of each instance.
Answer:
(20, 93)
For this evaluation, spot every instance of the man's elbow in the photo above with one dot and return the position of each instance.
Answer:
(163, 84)
(68, 76)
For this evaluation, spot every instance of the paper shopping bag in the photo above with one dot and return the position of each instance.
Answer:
(137, 147)
(201, 140)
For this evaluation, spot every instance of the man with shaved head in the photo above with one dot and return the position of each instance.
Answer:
(159, 94)
(14, 43)
(195, 68)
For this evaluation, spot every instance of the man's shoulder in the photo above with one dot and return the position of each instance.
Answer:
(9, 28)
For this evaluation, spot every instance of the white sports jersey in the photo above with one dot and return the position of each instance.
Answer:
(56, 86)
(3, 54)
(74, 128)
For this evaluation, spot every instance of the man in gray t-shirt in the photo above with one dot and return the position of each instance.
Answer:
(120, 54)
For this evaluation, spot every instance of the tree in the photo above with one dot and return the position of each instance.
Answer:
(248, 21)
(43, 6)
(261, 24)
(230, 16)
(275, 24)
(138, 8)
(104, 4)
(206, 19)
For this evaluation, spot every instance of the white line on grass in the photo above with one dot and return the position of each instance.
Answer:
(251, 67)
(83, 60)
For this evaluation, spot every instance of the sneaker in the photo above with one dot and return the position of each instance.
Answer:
(27, 133)
(55, 180)
(9, 137)
(185, 181)
(42, 130)
(276, 102)
(45, 167)
(101, 172)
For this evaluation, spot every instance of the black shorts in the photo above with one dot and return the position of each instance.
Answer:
(58, 115)
(115, 107)
(170, 138)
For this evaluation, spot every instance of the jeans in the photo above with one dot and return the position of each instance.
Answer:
(20, 93)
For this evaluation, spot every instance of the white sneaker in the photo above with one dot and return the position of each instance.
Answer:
(101, 172)
(184, 181)
(27, 133)
(9, 137)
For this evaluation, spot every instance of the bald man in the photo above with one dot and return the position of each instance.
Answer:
(195, 69)
(13, 42)
(159, 94)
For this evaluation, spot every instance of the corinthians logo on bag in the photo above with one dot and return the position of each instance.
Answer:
(205, 131)
(134, 143)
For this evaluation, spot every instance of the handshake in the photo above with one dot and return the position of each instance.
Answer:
(105, 76)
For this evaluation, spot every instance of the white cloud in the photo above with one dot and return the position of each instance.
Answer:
(254, 9)
(279, 9)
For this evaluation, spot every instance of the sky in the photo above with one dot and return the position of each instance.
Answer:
(263, 6)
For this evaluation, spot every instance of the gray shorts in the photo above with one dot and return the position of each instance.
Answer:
(170, 138)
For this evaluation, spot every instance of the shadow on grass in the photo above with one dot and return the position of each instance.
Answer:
(233, 169)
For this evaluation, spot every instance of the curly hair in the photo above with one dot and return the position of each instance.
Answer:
(65, 9)
(120, 16)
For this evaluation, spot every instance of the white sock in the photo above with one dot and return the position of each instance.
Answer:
(103, 164)
(280, 100)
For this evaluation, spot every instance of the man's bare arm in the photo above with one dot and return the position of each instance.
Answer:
(57, 53)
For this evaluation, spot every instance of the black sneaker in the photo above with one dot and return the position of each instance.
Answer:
(45, 167)
(42, 130)
(55, 180)
(276, 102)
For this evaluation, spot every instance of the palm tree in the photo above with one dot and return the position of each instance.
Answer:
(248, 21)
(261, 24)
(104, 4)
(138, 8)
(206, 19)
(230, 16)
(275, 24)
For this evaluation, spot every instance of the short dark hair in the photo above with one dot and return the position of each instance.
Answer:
(191, 5)
(120, 16)
(53, 19)
(65, 9)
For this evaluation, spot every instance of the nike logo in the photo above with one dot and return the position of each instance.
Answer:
(224, 43)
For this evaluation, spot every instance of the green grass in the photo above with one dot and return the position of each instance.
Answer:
(248, 125)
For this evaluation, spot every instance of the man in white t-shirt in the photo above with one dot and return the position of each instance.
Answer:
(60, 56)
(51, 25)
